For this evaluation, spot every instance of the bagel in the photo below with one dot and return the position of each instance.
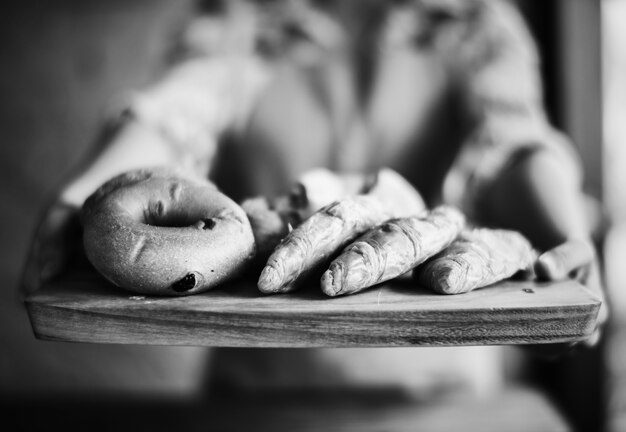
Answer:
(158, 232)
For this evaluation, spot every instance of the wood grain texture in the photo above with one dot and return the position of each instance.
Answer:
(85, 308)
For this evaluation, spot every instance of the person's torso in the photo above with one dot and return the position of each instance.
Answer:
(305, 118)
(408, 123)
(414, 130)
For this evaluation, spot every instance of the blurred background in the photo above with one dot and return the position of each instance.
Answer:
(64, 63)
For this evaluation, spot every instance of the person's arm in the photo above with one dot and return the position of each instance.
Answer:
(537, 197)
(133, 145)
(174, 123)
(517, 171)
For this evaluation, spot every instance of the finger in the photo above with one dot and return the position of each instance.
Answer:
(56, 246)
(593, 340)
(31, 276)
(581, 274)
(51, 264)
(56, 237)
(560, 262)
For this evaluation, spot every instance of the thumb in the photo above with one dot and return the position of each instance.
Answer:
(52, 261)
(558, 263)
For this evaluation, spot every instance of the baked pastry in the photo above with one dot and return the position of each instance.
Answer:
(157, 231)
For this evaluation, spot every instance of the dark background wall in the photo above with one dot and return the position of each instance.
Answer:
(62, 62)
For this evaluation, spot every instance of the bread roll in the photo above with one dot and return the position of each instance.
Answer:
(160, 232)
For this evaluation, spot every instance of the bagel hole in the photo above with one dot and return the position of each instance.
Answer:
(170, 221)
(159, 215)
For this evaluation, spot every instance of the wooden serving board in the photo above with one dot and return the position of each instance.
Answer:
(85, 308)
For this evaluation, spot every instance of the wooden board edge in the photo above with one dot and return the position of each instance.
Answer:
(52, 323)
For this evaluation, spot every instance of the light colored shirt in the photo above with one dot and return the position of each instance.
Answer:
(456, 95)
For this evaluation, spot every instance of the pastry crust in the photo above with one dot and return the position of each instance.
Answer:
(477, 258)
(392, 249)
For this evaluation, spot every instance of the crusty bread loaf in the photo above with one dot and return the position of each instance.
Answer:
(159, 232)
